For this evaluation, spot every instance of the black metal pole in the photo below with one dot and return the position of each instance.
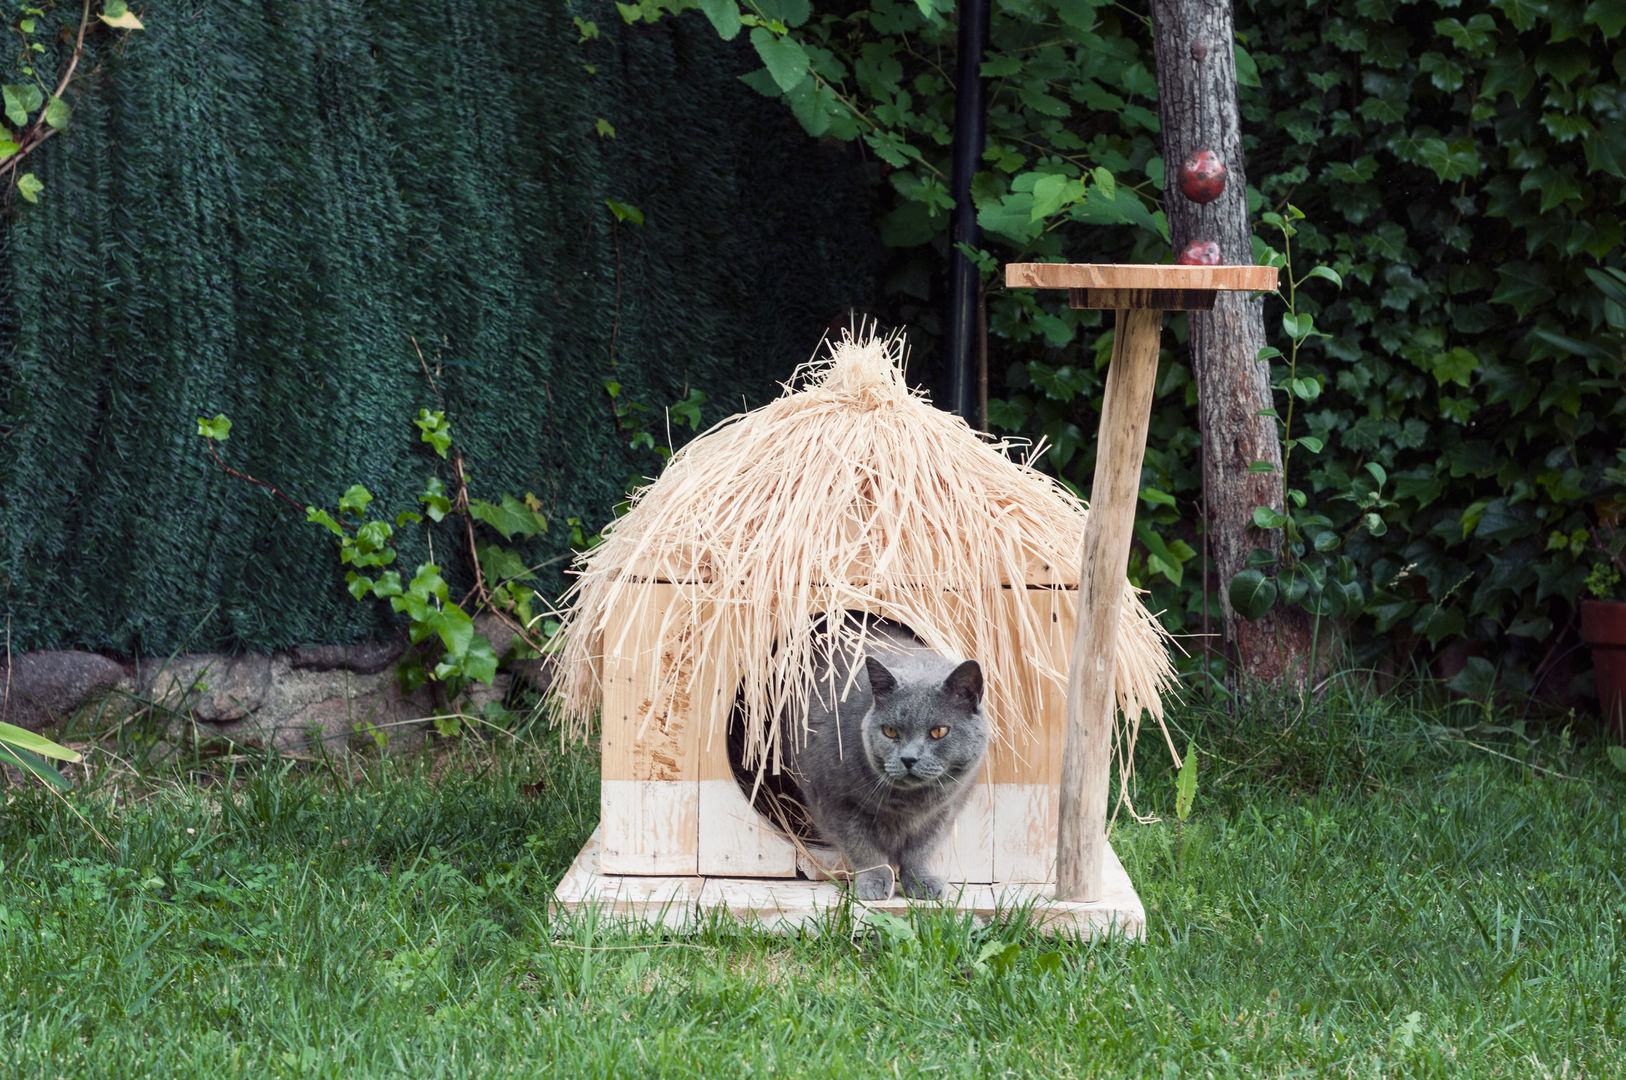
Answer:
(970, 128)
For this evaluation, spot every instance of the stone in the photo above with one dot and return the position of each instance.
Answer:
(42, 689)
(364, 658)
(214, 689)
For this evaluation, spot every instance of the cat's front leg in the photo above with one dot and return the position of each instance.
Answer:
(872, 869)
(917, 881)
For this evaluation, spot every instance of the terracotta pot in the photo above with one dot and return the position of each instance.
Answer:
(1603, 626)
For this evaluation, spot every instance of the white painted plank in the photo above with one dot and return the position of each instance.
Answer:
(1024, 832)
(649, 826)
(735, 840)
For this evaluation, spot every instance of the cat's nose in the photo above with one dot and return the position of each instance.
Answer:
(908, 762)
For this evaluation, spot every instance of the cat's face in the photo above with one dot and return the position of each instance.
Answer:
(925, 732)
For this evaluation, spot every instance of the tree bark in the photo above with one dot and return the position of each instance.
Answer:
(1197, 107)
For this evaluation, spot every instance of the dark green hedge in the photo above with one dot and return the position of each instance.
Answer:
(259, 205)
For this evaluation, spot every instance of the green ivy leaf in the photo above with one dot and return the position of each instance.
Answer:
(57, 113)
(510, 517)
(355, 500)
(455, 628)
(218, 429)
(625, 211)
(29, 187)
(20, 100)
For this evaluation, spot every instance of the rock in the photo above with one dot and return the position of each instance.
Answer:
(364, 658)
(215, 689)
(42, 689)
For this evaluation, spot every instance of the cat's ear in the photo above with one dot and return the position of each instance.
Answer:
(964, 684)
(881, 681)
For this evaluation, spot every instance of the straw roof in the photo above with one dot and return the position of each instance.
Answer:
(847, 492)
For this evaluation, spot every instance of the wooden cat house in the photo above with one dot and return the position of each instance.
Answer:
(848, 493)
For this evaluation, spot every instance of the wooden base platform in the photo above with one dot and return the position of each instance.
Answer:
(791, 905)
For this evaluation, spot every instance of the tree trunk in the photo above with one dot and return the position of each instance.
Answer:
(1197, 105)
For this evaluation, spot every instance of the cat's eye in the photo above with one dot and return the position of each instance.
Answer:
(939, 731)
(890, 732)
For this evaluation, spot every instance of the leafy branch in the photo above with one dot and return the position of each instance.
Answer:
(39, 114)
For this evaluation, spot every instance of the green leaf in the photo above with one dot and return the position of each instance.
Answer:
(32, 763)
(355, 500)
(434, 499)
(501, 564)
(21, 99)
(1377, 473)
(1261, 467)
(605, 129)
(785, 60)
(724, 16)
(1051, 192)
(625, 211)
(1326, 272)
(455, 628)
(510, 517)
(1247, 72)
(1310, 443)
(1266, 518)
(1154, 497)
(57, 113)
(479, 660)
(794, 13)
(1105, 182)
(1476, 679)
(1617, 756)
(29, 187)
(1185, 783)
(1252, 593)
(1297, 326)
(116, 13)
(218, 429)
(324, 519)
(14, 736)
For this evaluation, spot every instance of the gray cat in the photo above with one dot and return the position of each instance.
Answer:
(886, 771)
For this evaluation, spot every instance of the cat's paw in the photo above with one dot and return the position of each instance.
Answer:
(923, 886)
(873, 884)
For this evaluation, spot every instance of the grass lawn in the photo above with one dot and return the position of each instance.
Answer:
(1368, 894)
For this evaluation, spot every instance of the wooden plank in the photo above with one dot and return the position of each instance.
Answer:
(1139, 276)
(1024, 834)
(735, 840)
(650, 826)
(1035, 757)
(1126, 409)
(794, 906)
(670, 903)
(646, 732)
(1161, 299)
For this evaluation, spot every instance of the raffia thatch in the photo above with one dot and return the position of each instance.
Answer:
(849, 492)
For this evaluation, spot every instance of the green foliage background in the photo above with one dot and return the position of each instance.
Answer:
(258, 205)
(1461, 168)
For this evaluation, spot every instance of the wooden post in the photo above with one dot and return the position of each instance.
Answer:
(1139, 295)
(1086, 763)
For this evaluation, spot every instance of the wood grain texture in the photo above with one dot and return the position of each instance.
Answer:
(647, 724)
(1024, 840)
(683, 903)
(1161, 299)
(735, 840)
(1034, 757)
(669, 903)
(1087, 759)
(650, 826)
(1198, 110)
(1139, 276)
